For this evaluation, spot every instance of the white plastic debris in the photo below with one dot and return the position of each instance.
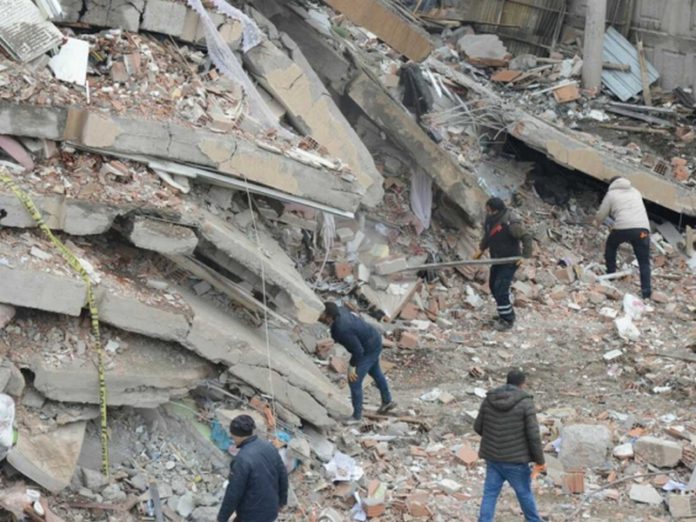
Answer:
(633, 306)
(432, 395)
(343, 468)
(7, 415)
(626, 329)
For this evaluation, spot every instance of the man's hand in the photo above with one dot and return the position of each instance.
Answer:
(3, 213)
(538, 470)
(477, 255)
(352, 374)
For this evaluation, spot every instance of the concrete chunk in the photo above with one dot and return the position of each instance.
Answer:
(144, 375)
(645, 494)
(49, 458)
(41, 290)
(584, 446)
(162, 237)
(658, 452)
(164, 17)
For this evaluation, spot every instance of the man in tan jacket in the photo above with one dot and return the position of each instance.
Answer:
(631, 225)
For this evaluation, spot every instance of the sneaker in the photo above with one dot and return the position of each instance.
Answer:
(351, 421)
(386, 408)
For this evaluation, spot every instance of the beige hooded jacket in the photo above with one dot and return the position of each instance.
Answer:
(625, 205)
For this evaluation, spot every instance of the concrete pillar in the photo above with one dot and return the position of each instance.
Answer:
(595, 19)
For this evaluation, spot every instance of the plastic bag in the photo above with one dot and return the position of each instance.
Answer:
(626, 329)
(633, 306)
(7, 415)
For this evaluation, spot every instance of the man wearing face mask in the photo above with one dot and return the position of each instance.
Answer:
(502, 234)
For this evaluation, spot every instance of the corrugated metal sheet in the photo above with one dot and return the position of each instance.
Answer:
(625, 85)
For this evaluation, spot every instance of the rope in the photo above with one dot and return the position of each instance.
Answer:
(75, 264)
(265, 300)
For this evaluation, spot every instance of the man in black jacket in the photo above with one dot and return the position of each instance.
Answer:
(510, 439)
(502, 234)
(258, 483)
(364, 343)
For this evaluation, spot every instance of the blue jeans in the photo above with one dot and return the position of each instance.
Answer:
(368, 365)
(519, 476)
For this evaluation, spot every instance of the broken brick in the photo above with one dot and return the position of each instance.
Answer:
(323, 348)
(343, 270)
(409, 312)
(467, 455)
(338, 364)
(408, 340)
(574, 482)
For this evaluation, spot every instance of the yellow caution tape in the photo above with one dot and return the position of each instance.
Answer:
(74, 263)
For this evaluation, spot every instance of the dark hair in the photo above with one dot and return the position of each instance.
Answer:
(242, 426)
(496, 204)
(516, 377)
(331, 309)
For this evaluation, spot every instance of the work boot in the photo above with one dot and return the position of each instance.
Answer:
(386, 408)
(503, 325)
(351, 421)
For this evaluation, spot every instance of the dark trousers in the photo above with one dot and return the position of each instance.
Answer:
(368, 365)
(640, 241)
(499, 282)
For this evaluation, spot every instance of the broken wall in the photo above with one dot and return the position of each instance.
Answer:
(668, 30)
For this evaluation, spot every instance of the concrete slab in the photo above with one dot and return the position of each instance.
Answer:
(48, 458)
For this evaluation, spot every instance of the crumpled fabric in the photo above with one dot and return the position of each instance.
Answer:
(422, 197)
(228, 64)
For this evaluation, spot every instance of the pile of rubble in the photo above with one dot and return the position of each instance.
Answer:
(218, 173)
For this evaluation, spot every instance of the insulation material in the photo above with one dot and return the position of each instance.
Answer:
(422, 197)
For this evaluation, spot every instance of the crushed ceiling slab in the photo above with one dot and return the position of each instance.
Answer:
(227, 154)
(140, 372)
(578, 151)
(389, 26)
(180, 316)
(293, 82)
(458, 183)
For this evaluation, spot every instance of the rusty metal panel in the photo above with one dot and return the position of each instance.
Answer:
(625, 85)
(525, 26)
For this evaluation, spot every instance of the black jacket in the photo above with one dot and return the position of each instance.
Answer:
(356, 336)
(258, 484)
(508, 427)
(502, 233)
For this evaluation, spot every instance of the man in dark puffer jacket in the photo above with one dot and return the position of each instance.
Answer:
(510, 439)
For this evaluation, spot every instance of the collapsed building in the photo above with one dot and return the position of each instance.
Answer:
(218, 172)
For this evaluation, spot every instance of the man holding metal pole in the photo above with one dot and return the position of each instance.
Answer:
(502, 234)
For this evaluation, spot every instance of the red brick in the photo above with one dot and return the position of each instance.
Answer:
(574, 482)
(408, 340)
(417, 505)
(323, 348)
(467, 455)
(343, 270)
(409, 312)
(338, 364)
(374, 508)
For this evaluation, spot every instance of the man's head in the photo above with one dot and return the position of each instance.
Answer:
(329, 314)
(241, 428)
(516, 378)
(495, 205)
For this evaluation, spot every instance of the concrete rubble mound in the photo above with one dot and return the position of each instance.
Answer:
(197, 177)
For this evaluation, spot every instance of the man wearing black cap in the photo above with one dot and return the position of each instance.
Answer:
(502, 234)
(364, 342)
(258, 483)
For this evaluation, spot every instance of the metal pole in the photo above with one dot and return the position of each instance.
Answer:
(463, 262)
(595, 19)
